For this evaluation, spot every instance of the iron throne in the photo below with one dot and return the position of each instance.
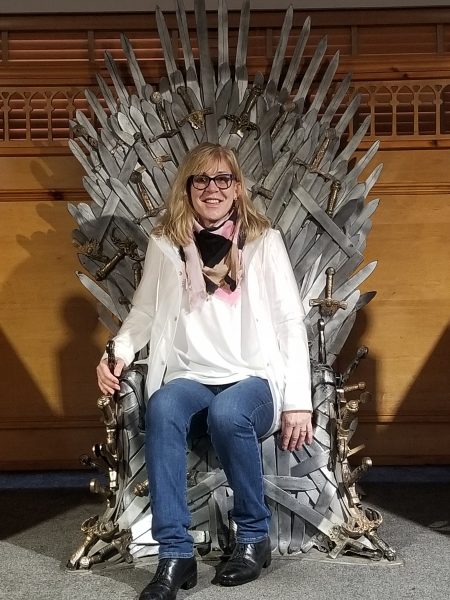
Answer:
(290, 133)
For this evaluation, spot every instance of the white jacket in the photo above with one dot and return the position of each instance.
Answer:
(269, 297)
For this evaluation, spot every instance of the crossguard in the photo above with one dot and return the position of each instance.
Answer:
(93, 249)
(242, 123)
(125, 247)
(159, 160)
(328, 305)
(195, 117)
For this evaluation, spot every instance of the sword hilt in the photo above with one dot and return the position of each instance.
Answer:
(334, 191)
(103, 272)
(322, 354)
(141, 489)
(111, 355)
(329, 135)
(330, 272)
(357, 473)
(328, 305)
(255, 91)
(108, 412)
(361, 353)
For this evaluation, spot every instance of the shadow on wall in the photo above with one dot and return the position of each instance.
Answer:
(78, 357)
(25, 336)
(423, 428)
(20, 390)
(48, 342)
(435, 374)
(386, 434)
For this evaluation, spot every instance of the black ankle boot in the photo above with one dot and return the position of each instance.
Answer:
(245, 563)
(171, 575)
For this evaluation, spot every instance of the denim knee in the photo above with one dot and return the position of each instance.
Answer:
(163, 409)
(226, 418)
(245, 406)
(155, 409)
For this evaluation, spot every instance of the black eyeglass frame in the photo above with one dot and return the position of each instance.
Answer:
(225, 176)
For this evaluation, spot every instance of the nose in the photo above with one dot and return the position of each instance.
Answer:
(212, 181)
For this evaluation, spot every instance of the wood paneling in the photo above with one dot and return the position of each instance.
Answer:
(406, 325)
(399, 59)
(50, 339)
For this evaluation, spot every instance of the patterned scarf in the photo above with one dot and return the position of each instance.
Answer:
(214, 261)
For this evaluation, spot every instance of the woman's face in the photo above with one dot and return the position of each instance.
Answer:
(213, 203)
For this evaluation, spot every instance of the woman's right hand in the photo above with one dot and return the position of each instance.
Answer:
(107, 381)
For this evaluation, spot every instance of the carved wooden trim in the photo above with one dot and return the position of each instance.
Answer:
(43, 465)
(93, 422)
(396, 418)
(66, 423)
(412, 189)
(80, 195)
(416, 111)
(59, 195)
(141, 20)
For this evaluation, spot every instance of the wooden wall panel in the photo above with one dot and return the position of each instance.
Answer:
(50, 176)
(385, 39)
(406, 325)
(50, 340)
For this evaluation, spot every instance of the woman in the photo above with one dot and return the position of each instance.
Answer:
(219, 305)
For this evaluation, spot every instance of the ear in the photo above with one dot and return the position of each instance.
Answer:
(237, 188)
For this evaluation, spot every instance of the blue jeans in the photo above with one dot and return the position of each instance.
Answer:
(237, 415)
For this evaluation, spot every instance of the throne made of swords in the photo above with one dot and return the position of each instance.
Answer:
(291, 135)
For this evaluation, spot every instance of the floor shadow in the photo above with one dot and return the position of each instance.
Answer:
(24, 510)
(425, 504)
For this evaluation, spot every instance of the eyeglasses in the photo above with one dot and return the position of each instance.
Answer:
(222, 181)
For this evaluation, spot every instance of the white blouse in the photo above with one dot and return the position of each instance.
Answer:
(211, 345)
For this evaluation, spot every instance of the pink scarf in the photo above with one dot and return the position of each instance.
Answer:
(214, 261)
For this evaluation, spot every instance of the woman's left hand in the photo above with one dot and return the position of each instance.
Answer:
(296, 429)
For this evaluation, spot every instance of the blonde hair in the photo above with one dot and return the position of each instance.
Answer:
(177, 221)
